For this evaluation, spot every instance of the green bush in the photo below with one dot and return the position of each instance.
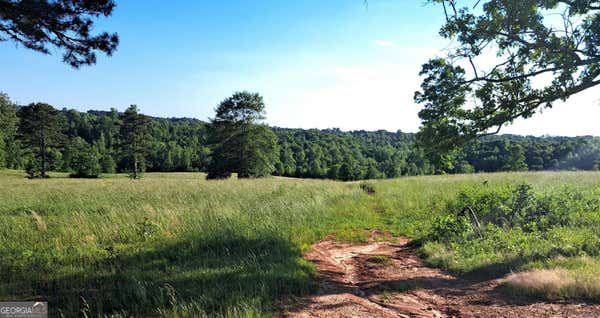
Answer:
(367, 187)
(448, 228)
(518, 226)
(32, 169)
(521, 207)
(108, 164)
(85, 165)
(83, 159)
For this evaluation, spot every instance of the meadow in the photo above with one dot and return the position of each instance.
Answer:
(175, 245)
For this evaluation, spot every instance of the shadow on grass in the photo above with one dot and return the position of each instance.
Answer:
(220, 276)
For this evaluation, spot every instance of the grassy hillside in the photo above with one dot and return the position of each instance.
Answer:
(177, 245)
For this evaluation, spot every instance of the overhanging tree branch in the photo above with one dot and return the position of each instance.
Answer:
(558, 62)
(64, 24)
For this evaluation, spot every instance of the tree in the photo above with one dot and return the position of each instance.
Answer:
(515, 159)
(64, 24)
(8, 129)
(538, 61)
(347, 172)
(286, 160)
(85, 161)
(40, 127)
(134, 136)
(372, 171)
(107, 164)
(334, 172)
(240, 143)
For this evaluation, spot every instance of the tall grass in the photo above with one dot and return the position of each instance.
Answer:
(175, 245)
(172, 244)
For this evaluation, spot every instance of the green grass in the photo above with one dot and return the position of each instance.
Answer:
(380, 259)
(176, 245)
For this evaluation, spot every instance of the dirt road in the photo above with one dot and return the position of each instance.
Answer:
(382, 279)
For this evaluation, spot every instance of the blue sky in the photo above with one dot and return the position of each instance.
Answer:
(319, 64)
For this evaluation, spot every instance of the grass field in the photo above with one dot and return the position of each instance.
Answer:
(176, 245)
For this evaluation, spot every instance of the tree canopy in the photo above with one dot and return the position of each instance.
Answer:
(134, 135)
(8, 131)
(240, 142)
(64, 24)
(542, 51)
(40, 127)
(182, 144)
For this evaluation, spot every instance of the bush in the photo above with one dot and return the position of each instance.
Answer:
(519, 227)
(83, 159)
(32, 169)
(449, 228)
(108, 164)
(85, 165)
(367, 187)
(521, 207)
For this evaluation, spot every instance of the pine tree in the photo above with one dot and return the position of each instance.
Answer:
(239, 142)
(8, 129)
(134, 135)
(40, 127)
(47, 25)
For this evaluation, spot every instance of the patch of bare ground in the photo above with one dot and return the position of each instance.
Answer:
(388, 279)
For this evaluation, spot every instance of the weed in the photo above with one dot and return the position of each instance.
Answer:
(380, 259)
(367, 187)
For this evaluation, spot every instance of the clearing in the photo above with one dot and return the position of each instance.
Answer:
(176, 245)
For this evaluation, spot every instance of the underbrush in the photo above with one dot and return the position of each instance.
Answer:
(516, 228)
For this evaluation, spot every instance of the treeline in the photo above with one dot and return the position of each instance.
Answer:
(170, 144)
(181, 144)
(380, 154)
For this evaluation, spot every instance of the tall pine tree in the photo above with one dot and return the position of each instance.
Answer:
(41, 127)
(240, 143)
(134, 136)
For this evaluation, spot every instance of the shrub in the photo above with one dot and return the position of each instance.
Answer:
(85, 165)
(448, 228)
(367, 187)
(519, 226)
(32, 169)
(522, 208)
(108, 164)
(148, 228)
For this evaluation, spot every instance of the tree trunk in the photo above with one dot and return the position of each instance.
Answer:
(135, 168)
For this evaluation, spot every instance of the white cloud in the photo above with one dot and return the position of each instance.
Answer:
(368, 96)
(576, 117)
(385, 43)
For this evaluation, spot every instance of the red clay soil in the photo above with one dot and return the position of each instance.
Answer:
(354, 284)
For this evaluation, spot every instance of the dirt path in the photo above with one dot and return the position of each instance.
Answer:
(382, 279)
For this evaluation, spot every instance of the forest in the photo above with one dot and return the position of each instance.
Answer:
(182, 145)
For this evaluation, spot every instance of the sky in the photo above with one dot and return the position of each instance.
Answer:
(318, 64)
